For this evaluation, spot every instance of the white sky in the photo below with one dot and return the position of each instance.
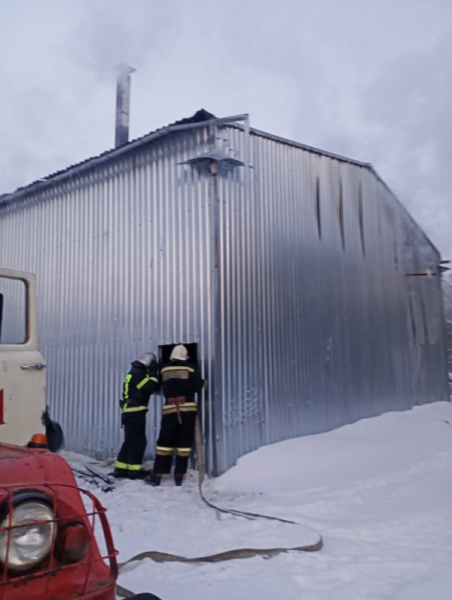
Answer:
(369, 79)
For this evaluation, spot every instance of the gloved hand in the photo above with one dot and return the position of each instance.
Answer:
(153, 369)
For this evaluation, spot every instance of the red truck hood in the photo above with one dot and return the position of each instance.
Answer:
(30, 469)
(30, 465)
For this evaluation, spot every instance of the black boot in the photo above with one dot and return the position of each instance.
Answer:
(178, 479)
(141, 474)
(120, 473)
(153, 479)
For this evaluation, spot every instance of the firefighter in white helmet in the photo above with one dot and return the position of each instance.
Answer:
(181, 380)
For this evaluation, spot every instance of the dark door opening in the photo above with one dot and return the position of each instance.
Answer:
(165, 353)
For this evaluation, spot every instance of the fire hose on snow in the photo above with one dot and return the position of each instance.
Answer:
(161, 557)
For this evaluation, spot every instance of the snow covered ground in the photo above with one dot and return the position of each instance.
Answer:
(379, 491)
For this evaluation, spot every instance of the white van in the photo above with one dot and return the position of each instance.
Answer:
(22, 368)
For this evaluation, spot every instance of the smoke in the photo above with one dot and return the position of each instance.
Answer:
(364, 79)
(408, 109)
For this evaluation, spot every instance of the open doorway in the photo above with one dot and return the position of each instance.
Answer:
(165, 353)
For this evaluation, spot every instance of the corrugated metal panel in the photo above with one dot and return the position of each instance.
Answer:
(424, 314)
(122, 259)
(314, 298)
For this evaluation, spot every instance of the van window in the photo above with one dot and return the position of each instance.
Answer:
(13, 311)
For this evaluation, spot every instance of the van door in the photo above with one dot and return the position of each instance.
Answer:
(22, 374)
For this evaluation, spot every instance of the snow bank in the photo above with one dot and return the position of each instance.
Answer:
(379, 491)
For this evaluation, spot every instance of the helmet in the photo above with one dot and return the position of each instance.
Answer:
(147, 359)
(179, 353)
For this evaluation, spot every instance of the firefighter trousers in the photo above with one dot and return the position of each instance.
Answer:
(132, 450)
(175, 436)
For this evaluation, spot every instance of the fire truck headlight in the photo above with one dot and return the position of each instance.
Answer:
(30, 538)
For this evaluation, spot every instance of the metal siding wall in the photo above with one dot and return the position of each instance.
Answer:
(313, 328)
(121, 255)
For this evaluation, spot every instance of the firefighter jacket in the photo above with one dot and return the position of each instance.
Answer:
(139, 385)
(181, 380)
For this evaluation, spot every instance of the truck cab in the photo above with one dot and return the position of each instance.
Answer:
(22, 368)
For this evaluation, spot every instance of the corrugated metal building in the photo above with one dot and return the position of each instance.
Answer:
(291, 268)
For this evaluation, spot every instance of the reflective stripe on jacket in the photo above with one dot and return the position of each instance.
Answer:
(138, 388)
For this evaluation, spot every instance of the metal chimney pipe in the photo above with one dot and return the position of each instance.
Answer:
(122, 104)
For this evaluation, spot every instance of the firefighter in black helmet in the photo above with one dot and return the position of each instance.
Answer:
(139, 384)
(181, 380)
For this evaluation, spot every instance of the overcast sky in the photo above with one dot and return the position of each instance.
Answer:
(369, 79)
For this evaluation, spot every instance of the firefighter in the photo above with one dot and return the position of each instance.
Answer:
(139, 384)
(181, 380)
